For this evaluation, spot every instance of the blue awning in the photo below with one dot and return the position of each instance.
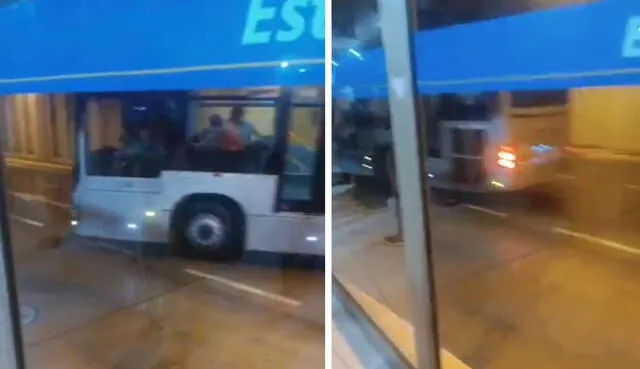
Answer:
(597, 44)
(101, 45)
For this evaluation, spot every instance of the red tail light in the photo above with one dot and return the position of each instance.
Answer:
(506, 157)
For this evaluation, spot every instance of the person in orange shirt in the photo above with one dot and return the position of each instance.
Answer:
(220, 135)
(231, 137)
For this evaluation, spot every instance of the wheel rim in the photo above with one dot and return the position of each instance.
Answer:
(206, 230)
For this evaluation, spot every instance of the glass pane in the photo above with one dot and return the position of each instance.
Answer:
(143, 175)
(11, 313)
(368, 256)
(532, 208)
(533, 194)
(74, 243)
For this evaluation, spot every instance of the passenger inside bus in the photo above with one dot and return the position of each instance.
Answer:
(219, 135)
(153, 138)
(140, 154)
(226, 146)
(248, 132)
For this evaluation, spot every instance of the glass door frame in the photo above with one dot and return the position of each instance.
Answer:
(397, 23)
(284, 122)
(13, 355)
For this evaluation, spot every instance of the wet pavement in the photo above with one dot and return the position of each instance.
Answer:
(513, 293)
(96, 309)
(600, 199)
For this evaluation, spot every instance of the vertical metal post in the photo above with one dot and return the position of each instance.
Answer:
(410, 154)
(398, 238)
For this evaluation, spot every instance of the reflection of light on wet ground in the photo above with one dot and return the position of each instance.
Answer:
(156, 315)
(245, 288)
(507, 293)
(27, 221)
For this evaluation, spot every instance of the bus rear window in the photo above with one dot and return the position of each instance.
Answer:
(537, 99)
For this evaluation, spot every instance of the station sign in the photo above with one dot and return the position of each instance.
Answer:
(631, 48)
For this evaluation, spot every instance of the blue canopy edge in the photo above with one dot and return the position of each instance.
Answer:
(596, 44)
(74, 45)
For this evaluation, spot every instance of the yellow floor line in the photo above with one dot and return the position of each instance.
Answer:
(398, 330)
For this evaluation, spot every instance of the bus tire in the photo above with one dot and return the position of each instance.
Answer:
(212, 230)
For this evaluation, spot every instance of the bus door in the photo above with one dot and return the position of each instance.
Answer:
(301, 186)
(301, 119)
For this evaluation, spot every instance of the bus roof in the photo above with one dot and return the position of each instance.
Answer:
(107, 45)
(595, 44)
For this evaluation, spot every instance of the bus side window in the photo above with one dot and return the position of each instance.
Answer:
(132, 135)
(206, 151)
(535, 99)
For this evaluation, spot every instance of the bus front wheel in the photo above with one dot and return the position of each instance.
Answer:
(211, 230)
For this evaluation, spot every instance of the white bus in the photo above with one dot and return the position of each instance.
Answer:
(485, 142)
(152, 164)
(145, 174)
